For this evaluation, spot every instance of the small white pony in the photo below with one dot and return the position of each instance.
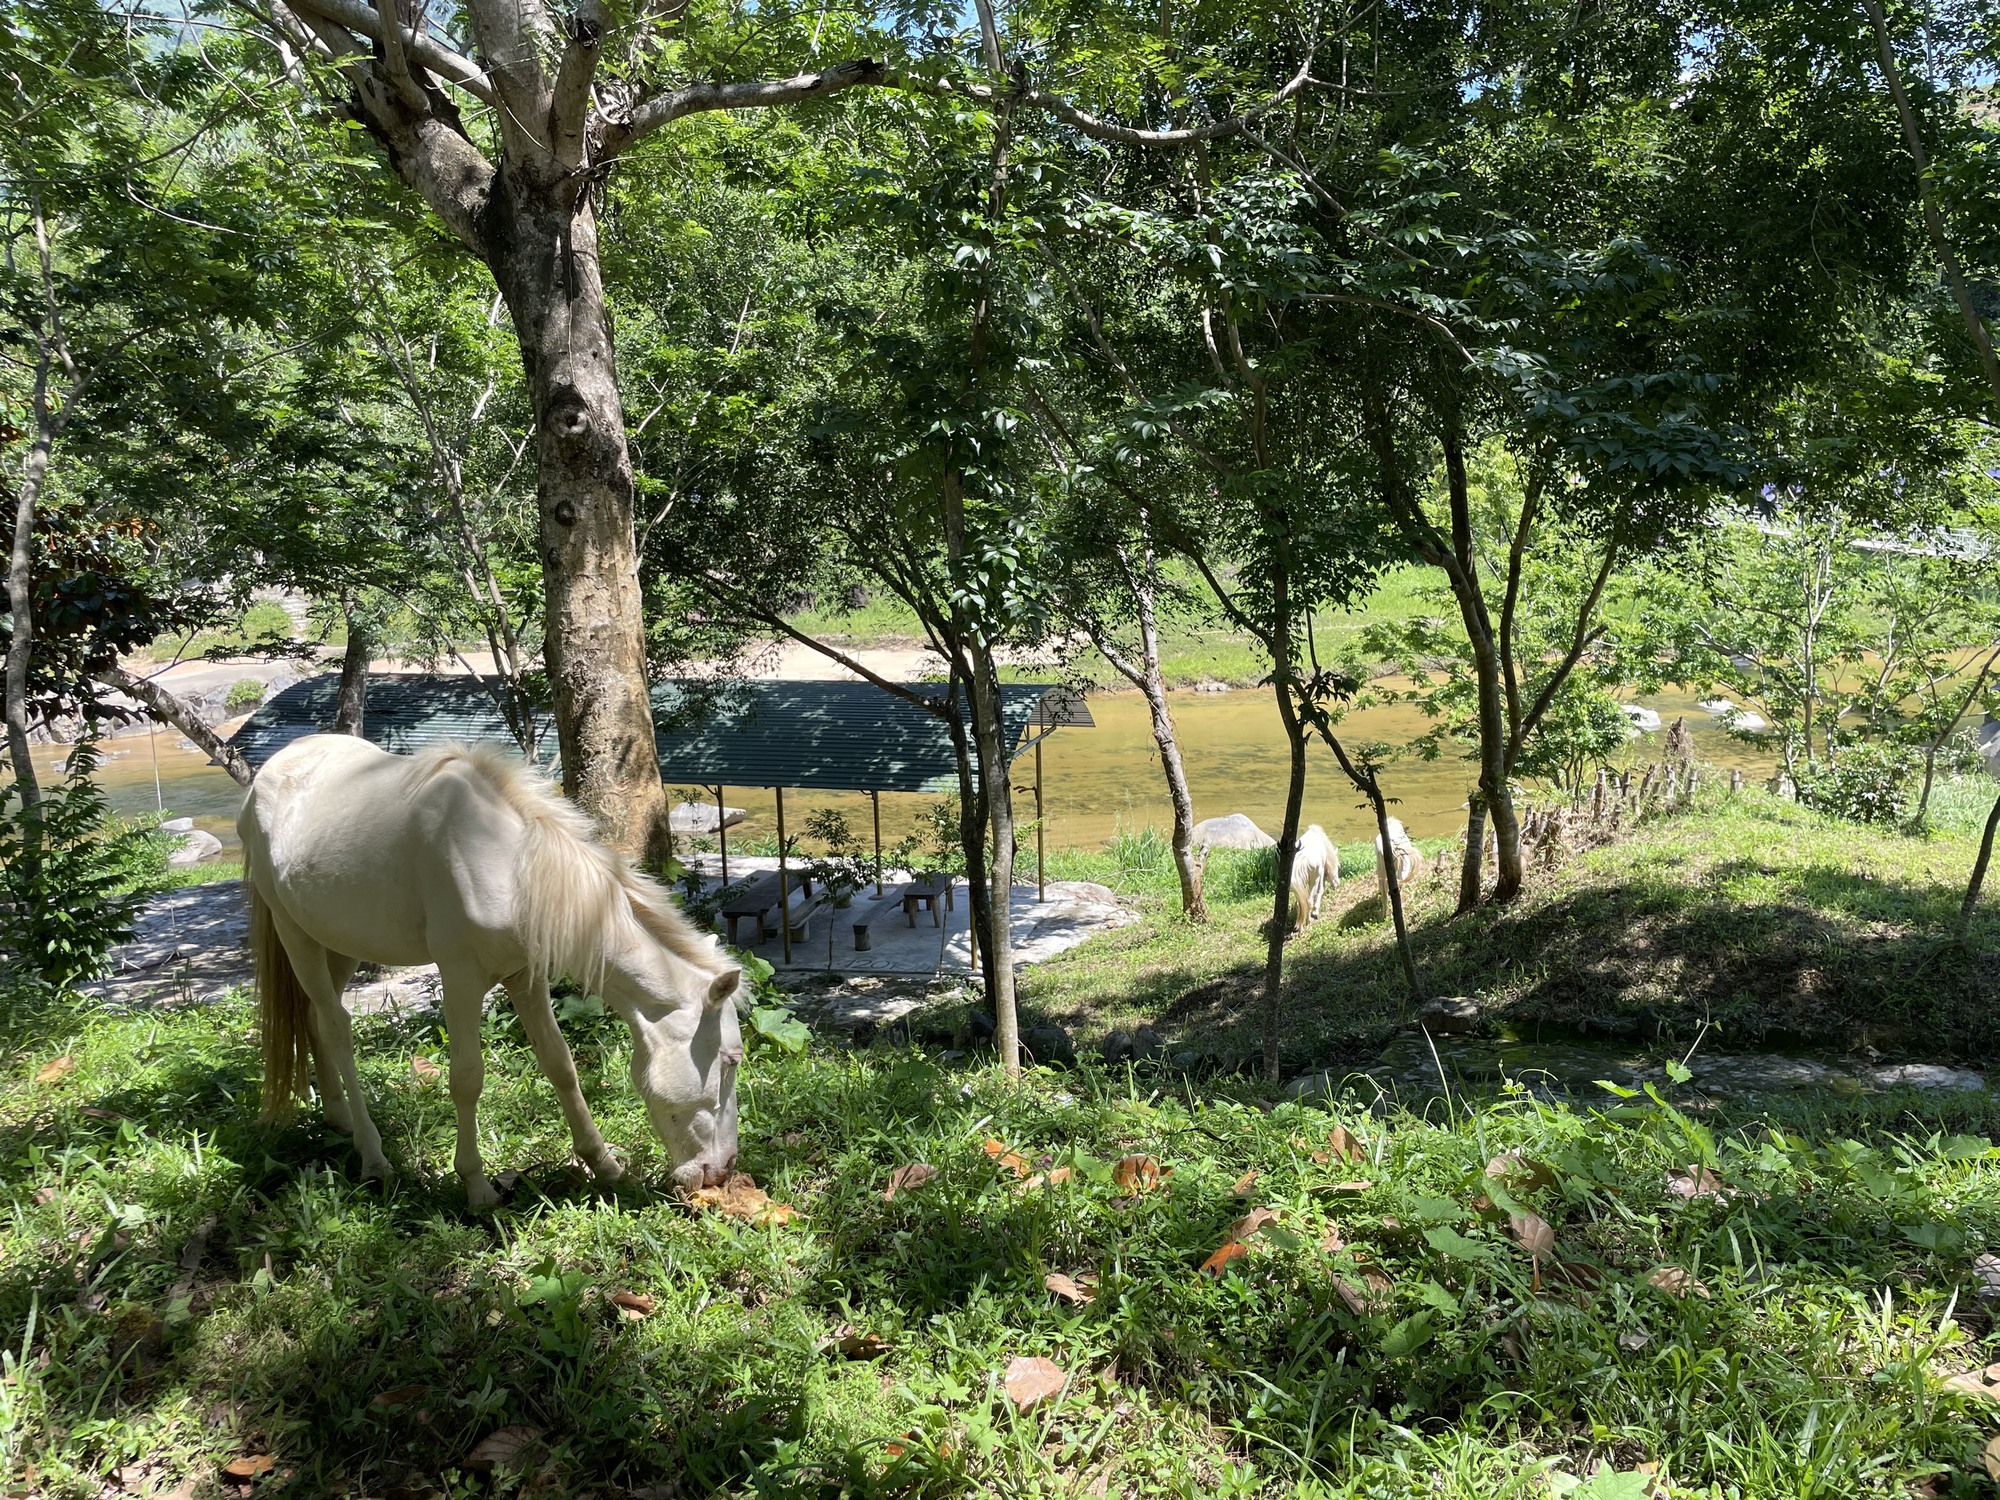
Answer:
(1409, 859)
(464, 858)
(1315, 865)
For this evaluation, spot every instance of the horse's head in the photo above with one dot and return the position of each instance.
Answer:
(686, 1044)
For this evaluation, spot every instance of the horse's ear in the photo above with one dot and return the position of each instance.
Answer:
(724, 985)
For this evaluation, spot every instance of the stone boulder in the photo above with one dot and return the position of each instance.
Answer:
(1449, 1015)
(194, 848)
(1233, 832)
(1146, 1044)
(1117, 1047)
(1048, 1043)
(700, 817)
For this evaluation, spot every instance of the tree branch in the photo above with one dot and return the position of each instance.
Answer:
(363, 20)
(175, 712)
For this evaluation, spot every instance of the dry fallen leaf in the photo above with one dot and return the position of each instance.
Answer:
(1984, 1382)
(855, 1344)
(1332, 1243)
(632, 1305)
(1675, 1282)
(904, 1179)
(1077, 1293)
(1532, 1233)
(1139, 1173)
(504, 1449)
(1372, 1296)
(44, 1195)
(1218, 1262)
(402, 1395)
(249, 1466)
(49, 1072)
(1030, 1379)
(1519, 1173)
(1359, 1185)
(1634, 1340)
(741, 1198)
(1696, 1182)
(1346, 1145)
(1011, 1160)
(1251, 1222)
(1991, 1458)
(426, 1071)
(1244, 1183)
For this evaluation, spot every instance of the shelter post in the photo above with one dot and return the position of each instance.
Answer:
(784, 890)
(876, 799)
(1041, 873)
(722, 831)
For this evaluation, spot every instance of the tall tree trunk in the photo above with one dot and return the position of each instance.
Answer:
(1288, 835)
(1979, 866)
(177, 713)
(997, 792)
(1194, 905)
(1143, 583)
(351, 707)
(542, 246)
(1493, 739)
(1472, 872)
(21, 643)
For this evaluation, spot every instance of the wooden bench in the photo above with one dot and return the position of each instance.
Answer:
(868, 917)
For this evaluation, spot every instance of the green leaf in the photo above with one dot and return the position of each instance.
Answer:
(1612, 1088)
(780, 1026)
(1450, 1242)
(1678, 1072)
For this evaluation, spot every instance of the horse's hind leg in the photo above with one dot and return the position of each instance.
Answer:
(530, 995)
(332, 1095)
(464, 1012)
(333, 1039)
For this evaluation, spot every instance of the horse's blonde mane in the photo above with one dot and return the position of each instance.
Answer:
(575, 897)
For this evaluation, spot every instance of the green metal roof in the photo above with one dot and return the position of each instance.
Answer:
(821, 736)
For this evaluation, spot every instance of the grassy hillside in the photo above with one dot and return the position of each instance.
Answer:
(1767, 922)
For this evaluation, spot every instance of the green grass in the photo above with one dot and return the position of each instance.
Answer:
(1756, 919)
(179, 1286)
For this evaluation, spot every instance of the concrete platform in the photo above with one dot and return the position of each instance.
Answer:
(1074, 911)
(192, 945)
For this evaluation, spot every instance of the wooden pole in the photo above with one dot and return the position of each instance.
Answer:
(1041, 875)
(722, 832)
(876, 799)
(784, 892)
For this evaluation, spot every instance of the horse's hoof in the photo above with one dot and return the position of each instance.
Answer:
(606, 1168)
(479, 1193)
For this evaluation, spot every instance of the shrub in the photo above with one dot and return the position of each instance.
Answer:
(245, 694)
(1865, 783)
(62, 913)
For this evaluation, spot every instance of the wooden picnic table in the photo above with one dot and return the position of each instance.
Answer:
(757, 899)
(925, 893)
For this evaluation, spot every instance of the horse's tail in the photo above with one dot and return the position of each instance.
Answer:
(284, 1009)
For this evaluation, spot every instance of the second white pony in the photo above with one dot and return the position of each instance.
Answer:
(1408, 858)
(1315, 866)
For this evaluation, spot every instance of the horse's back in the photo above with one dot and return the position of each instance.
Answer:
(381, 857)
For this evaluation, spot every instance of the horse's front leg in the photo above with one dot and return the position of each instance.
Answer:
(530, 994)
(464, 1003)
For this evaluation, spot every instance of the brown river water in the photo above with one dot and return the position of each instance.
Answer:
(1095, 781)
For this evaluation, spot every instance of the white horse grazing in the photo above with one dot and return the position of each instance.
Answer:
(464, 858)
(1408, 858)
(1315, 865)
